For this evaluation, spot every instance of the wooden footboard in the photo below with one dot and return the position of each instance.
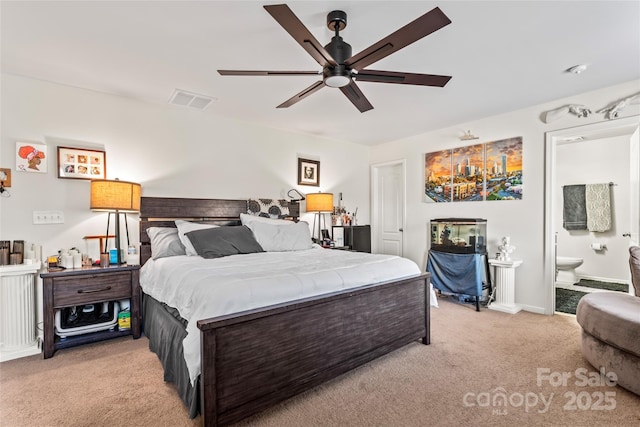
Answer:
(255, 359)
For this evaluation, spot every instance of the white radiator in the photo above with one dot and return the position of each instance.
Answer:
(18, 335)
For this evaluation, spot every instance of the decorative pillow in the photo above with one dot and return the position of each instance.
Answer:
(634, 263)
(165, 242)
(276, 237)
(184, 227)
(247, 219)
(222, 241)
(268, 208)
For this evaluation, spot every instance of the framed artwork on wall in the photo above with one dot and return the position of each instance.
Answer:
(31, 157)
(81, 163)
(308, 172)
(504, 169)
(489, 171)
(438, 175)
(468, 171)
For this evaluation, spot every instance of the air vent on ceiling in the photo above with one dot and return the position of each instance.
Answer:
(189, 99)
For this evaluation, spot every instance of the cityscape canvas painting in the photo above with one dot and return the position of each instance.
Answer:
(490, 171)
(468, 173)
(504, 169)
(438, 174)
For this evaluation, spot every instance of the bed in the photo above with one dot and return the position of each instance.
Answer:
(252, 359)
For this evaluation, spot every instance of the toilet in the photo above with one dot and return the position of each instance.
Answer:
(566, 270)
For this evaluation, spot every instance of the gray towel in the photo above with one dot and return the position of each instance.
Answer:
(598, 202)
(575, 207)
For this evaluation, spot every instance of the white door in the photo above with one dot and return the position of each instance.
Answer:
(388, 208)
(634, 230)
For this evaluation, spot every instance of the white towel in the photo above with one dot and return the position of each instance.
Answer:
(598, 200)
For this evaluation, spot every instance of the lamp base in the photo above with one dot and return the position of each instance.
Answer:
(116, 255)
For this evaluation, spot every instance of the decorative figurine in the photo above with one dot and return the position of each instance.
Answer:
(506, 249)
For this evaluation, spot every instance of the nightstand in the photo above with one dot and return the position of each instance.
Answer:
(356, 238)
(83, 286)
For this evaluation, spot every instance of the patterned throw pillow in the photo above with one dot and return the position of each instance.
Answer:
(268, 208)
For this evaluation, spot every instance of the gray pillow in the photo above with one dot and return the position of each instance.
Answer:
(165, 242)
(186, 226)
(223, 241)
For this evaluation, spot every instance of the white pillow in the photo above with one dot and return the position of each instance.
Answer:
(246, 219)
(165, 242)
(281, 237)
(184, 227)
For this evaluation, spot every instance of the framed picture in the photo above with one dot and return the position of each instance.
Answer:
(504, 169)
(81, 163)
(438, 176)
(489, 171)
(31, 157)
(308, 172)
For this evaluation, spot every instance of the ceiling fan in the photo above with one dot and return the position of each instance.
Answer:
(339, 68)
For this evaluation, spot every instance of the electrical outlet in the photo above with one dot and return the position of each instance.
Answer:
(48, 217)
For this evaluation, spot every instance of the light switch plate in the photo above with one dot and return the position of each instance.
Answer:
(48, 217)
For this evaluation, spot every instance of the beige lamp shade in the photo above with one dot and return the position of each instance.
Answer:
(320, 202)
(108, 195)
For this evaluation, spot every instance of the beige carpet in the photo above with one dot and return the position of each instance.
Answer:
(473, 357)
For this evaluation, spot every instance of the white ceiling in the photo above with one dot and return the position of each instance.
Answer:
(503, 56)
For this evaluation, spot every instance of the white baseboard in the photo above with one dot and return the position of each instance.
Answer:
(532, 308)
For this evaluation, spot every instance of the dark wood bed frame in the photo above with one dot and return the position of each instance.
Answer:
(255, 359)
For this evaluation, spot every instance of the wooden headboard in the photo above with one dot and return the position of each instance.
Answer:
(163, 211)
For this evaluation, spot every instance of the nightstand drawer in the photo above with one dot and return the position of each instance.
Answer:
(71, 290)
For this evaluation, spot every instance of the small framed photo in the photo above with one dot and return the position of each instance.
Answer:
(308, 172)
(81, 163)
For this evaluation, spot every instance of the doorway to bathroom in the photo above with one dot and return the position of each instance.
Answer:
(601, 153)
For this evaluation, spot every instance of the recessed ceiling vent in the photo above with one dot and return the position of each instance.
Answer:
(189, 99)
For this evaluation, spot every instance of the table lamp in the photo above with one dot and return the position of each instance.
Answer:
(115, 196)
(319, 203)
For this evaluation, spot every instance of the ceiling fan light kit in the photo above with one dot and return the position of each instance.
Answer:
(340, 69)
(337, 76)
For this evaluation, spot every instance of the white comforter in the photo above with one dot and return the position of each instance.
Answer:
(202, 288)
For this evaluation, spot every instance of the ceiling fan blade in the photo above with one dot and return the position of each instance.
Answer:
(290, 22)
(267, 73)
(355, 95)
(415, 30)
(302, 95)
(402, 78)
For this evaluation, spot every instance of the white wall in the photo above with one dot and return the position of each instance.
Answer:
(589, 162)
(171, 151)
(184, 153)
(522, 220)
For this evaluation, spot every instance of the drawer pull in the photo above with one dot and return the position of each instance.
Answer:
(82, 291)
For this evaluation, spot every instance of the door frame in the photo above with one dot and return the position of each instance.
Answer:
(622, 126)
(375, 203)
